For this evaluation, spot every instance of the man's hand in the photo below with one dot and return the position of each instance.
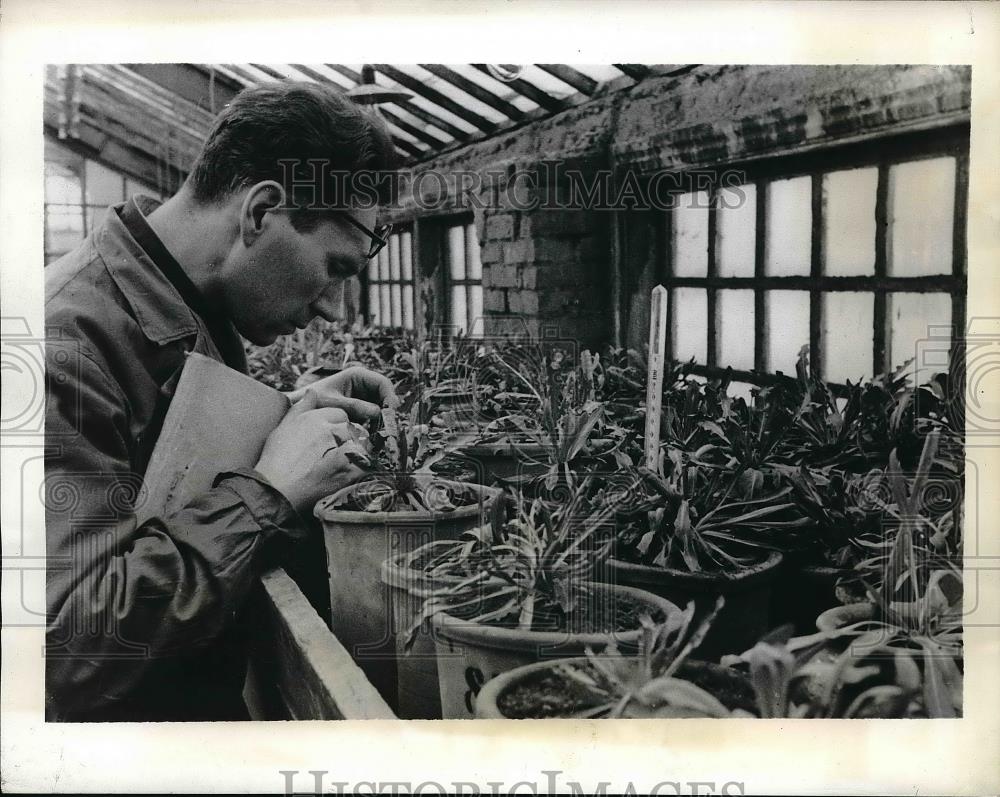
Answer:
(306, 456)
(357, 391)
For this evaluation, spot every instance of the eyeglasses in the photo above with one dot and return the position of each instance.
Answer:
(379, 236)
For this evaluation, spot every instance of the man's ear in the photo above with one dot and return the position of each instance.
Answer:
(259, 199)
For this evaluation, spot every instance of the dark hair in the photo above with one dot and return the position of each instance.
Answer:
(294, 122)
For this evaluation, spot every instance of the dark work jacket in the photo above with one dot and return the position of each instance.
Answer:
(143, 620)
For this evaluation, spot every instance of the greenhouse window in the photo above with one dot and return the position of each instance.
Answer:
(854, 253)
(78, 192)
(464, 277)
(390, 284)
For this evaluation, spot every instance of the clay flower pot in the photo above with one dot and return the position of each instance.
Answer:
(469, 654)
(357, 543)
(509, 695)
(743, 620)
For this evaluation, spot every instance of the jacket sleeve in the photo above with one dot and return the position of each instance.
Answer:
(122, 595)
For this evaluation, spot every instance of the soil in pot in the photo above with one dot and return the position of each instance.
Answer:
(358, 542)
(744, 619)
(469, 654)
(542, 693)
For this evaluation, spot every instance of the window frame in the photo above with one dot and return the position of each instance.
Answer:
(373, 270)
(466, 283)
(880, 153)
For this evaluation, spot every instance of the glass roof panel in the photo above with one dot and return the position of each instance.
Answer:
(427, 105)
(454, 93)
(502, 90)
(599, 72)
(546, 82)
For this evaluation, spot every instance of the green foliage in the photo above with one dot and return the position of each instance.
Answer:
(647, 684)
(527, 572)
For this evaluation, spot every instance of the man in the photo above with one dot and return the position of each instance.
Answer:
(144, 620)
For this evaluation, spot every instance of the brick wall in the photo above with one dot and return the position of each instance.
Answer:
(549, 270)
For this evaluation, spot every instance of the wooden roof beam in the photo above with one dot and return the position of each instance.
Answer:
(573, 77)
(635, 71)
(407, 147)
(485, 96)
(424, 116)
(416, 132)
(433, 95)
(529, 90)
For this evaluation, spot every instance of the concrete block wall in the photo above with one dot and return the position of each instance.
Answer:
(548, 270)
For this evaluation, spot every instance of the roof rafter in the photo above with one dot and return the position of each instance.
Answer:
(415, 110)
(635, 71)
(433, 95)
(529, 90)
(485, 96)
(573, 77)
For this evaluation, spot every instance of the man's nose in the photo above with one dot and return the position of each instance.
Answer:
(330, 303)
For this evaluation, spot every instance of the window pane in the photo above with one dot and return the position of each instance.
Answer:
(787, 328)
(741, 390)
(910, 317)
(848, 324)
(394, 257)
(456, 252)
(408, 306)
(383, 264)
(690, 249)
(62, 185)
(736, 220)
(63, 228)
(849, 221)
(458, 308)
(406, 255)
(474, 269)
(397, 306)
(690, 324)
(921, 209)
(788, 247)
(375, 317)
(132, 188)
(476, 309)
(104, 187)
(736, 316)
(385, 311)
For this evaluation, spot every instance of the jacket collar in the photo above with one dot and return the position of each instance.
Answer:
(159, 309)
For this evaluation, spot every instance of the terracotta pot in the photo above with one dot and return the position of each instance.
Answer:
(488, 700)
(744, 619)
(357, 543)
(504, 460)
(469, 654)
(416, 669)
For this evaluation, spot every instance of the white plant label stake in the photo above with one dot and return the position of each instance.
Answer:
(654, 380)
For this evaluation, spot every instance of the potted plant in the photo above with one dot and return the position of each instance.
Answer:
(510, 594)
(913, 617)
(559, 434)
(689, 537)
(660, 680)
(397, 507)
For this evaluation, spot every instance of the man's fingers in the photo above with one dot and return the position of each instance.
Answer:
(309, 401)
(357, 410)
(375, 387)
(332, 414)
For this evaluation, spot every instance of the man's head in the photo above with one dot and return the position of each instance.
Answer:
(272, 172)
